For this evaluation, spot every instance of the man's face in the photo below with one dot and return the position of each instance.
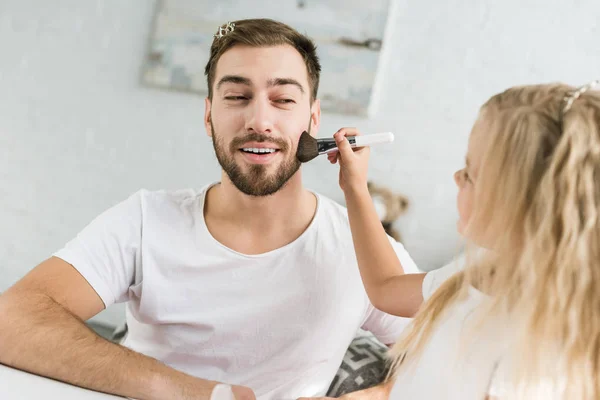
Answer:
(260, 107)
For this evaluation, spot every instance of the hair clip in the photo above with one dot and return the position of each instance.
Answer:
(225, 29)
(570, 98)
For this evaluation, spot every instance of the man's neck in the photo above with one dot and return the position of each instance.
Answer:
(292, 204)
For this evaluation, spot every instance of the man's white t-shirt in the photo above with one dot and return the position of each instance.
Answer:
(457, 362)
(279, 323)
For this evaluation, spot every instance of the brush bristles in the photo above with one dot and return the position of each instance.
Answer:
(308, 148)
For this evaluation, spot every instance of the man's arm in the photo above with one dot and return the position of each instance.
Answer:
(42, 331)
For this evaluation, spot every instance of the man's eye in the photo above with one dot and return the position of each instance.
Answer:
(238, 98)
(285, 101)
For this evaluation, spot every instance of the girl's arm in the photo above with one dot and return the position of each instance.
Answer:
(388, 288)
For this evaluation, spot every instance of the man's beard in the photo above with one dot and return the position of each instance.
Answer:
(256, 181)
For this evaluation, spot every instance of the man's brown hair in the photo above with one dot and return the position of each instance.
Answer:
(265, 33)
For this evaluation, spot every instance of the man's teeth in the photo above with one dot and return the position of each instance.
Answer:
(258, 151)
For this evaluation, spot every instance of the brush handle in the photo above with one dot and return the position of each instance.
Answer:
(328, 145)
(367, 140)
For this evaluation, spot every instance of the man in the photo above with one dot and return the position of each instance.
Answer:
(250, 282)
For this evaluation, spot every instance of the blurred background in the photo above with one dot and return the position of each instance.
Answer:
(86, 119)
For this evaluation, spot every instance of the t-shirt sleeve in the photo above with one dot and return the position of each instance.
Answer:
(106, 251)
(385, 327)
(434, 279)
(406, 260)
(388, 328)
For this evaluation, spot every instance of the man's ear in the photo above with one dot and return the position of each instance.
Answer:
(315, 117)
(207, 117)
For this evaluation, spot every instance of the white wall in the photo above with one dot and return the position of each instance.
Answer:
(78, 133)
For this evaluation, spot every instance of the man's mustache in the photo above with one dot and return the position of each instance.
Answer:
(237, 142)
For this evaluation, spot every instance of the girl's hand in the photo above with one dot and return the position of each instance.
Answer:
(354, 162)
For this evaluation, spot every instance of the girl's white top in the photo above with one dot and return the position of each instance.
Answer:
(457, 363)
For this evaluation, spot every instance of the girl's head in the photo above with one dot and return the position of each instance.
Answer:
(528, 149)
(530, 192)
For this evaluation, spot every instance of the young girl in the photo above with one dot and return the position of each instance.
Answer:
(523, 321)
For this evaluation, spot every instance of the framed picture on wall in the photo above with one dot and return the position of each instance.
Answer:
(349, 35)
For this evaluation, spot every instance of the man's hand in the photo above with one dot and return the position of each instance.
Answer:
(243, 393)
(380, 392)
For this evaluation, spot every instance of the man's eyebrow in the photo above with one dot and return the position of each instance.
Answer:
(285, 81)
(234, 79)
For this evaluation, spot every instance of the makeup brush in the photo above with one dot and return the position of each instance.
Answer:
(309, 147)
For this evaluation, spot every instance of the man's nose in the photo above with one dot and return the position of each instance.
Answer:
(260, 116)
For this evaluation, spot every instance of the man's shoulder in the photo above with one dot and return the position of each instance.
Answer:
(332, 211)
(335, 216)
(153, 203)
(170, 196)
